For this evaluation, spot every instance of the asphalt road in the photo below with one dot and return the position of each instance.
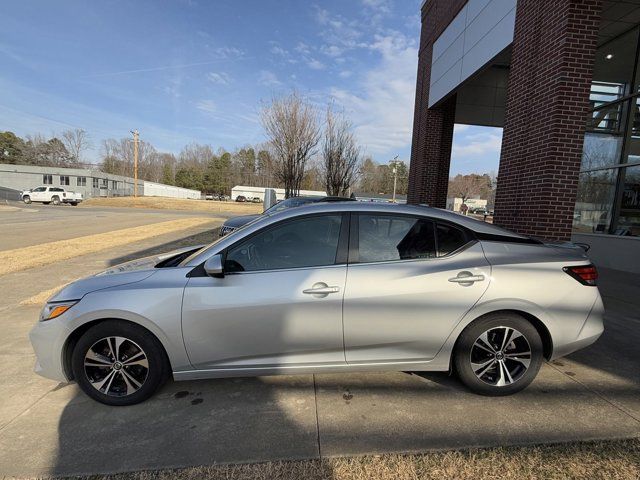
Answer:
(25, 225)
(50, 428)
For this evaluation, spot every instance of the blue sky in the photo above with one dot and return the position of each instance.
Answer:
(198, 71)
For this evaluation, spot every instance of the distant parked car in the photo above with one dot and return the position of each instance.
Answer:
(256, 200)
(237, 222)
(241, 198)
(208, 197)
(478, 211)
(47, 195)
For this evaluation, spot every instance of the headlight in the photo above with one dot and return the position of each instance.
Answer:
(53, 310)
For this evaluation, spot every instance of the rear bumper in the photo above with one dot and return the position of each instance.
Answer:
(591, 330)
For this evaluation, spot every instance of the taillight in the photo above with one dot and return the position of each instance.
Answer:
(585, 274)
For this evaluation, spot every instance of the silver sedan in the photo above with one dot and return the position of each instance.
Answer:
(326, 288)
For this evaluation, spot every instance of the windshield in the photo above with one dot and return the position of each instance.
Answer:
(290, 203)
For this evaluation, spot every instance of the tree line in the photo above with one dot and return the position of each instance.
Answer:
(305, 149)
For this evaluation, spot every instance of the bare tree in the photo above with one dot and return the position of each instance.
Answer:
(291, 126)
(76, 142)
(469, 186)
(340, 154)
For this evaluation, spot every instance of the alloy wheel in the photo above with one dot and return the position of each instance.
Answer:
(116, 366)
(500, 356)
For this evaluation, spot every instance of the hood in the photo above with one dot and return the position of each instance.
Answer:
(80, 288)
(129, 272)
(237, 222)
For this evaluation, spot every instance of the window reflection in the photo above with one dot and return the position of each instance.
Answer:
(629, 219)
(594, 203)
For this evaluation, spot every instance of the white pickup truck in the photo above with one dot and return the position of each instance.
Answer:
(47, 195)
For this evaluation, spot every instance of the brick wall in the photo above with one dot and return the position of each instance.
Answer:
(547, 104)
(432, 127)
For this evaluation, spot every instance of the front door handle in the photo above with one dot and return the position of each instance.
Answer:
(320, 290)
(466, 278)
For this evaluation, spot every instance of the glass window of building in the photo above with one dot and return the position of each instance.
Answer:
(81, 181)
(47, 179)
(96, 183)
(607, 200)
(64, 180)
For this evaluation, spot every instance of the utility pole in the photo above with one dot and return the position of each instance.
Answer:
(136, 139)
(394, 170)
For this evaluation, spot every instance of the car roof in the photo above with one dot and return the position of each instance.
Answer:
(391, 208)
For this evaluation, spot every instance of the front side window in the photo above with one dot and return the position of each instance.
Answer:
(40, 189)
(383, 238)
(304, 242)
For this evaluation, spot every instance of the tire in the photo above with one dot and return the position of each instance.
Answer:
(110, 385)
(74, 204)
(46, 203)
(26, 199)
(55, 200)
(498, 370)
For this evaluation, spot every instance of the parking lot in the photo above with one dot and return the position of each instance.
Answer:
(50, 428)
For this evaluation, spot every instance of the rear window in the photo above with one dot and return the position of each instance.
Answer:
(449, 239)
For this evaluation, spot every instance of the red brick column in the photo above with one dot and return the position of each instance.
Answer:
(547, 105)
(432, 127)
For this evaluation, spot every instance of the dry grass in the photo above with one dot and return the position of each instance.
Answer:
(176, 204)
(590, 460)
(45, 253)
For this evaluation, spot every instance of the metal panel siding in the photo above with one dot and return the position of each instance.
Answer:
(488, 29)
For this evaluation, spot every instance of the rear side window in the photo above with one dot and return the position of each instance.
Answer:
(383, 238)
(304, 242)
(449, 238)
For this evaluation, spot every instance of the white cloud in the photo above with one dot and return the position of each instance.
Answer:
(219, 78)
(303, 48)
(206, 106)
(331, 50)
(278, 50)
(345, 73)
(315, 64)
(268, 79)
(476, 145)
(381, 103)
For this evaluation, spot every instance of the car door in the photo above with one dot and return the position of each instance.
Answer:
(279, 303)
(38, 194)
(409, 281)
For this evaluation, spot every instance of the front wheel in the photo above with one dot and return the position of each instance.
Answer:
(499, 354)
(26, 199)
(55, 200)
(119, 363)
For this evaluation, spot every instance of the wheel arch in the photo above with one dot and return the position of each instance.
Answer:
(541, 328)
(75, 335)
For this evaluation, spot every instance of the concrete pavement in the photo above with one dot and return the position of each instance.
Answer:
(46, 428)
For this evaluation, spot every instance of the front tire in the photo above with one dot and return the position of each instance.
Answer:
(119, 363)
(26, 199)
(498, 354)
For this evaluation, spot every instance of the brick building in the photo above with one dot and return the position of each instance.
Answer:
(561, 78)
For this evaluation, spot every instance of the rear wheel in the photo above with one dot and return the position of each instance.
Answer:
(499, 354)
(56, 200)
(119, 363)
(26, 199)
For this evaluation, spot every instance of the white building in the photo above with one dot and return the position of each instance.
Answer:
(454, 203)
(88, 182)
(252, 192)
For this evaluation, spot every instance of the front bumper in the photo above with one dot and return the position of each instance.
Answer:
(48, 339)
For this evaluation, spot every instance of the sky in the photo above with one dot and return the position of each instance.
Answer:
(187, 71)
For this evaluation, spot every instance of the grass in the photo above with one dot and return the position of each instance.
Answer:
(45, 253)
(175, 204)
(615, 460)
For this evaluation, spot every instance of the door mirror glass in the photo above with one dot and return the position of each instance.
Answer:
(213, 266)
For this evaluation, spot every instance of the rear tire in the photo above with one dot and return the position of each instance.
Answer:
(490, 364)
(119, 363)
(55, 200)
(26, 199)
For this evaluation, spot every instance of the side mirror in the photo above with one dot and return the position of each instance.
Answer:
(213, 266)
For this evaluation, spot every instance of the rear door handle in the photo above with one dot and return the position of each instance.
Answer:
(467, 278)
(321, 289)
